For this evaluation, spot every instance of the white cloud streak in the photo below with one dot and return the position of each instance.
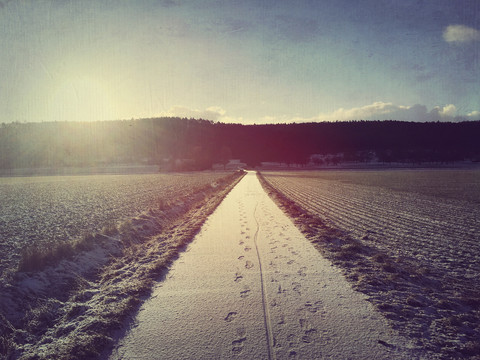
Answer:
(377, 111)
(386, 111)
(460, 34)
(474, 115)
(213, 113)
(389, 111)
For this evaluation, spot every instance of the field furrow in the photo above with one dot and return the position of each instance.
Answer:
(440, 231)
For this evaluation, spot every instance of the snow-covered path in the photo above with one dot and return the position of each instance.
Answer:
(250, 286)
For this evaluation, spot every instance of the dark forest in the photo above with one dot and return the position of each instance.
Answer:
(201, 143)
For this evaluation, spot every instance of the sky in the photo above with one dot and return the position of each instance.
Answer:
(242, 61)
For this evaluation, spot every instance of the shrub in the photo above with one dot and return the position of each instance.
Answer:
(35, 257)
(31, 259)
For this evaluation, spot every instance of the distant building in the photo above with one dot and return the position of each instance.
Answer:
(233, 164)
(170, 164)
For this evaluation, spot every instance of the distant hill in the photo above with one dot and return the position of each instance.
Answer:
(175, 143)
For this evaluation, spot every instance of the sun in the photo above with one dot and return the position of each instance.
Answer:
(81, 99)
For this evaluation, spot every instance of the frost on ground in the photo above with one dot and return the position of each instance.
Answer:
(71, 310)
(42, 211)
(416, 255)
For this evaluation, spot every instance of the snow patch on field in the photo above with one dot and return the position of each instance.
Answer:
(71, 309)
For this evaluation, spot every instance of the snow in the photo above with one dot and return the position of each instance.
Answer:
(250, 286)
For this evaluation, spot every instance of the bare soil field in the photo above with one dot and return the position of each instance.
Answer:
(70, 309)
(409, 239)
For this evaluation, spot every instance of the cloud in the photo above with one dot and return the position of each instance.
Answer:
(213, 113)
(474, 115)
(367, 112)
(385, 111)
(390, 111)
(460, 34)
(447, 111)
(377, 111)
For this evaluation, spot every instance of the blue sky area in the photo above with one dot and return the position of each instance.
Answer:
(240, 61)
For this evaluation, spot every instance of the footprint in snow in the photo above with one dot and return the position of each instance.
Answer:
(297, 287)
(231, 316)
(238, 345)
(248, 264)
(309, 336)
(244, 293)
(313, 307)
(301, 272)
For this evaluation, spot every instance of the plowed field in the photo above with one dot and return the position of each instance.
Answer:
(432, 216)
(409, 239)
(48, 209)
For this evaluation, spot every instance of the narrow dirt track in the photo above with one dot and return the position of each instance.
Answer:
(250, 286)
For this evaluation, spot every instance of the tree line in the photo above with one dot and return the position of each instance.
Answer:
(196, 144)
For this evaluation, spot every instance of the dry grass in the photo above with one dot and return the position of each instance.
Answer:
(37, 256)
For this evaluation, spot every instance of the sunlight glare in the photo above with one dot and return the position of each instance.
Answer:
(81, 99)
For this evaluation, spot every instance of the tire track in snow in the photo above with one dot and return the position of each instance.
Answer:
(266, 314)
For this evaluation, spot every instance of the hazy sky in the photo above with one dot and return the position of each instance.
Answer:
(248, 61)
